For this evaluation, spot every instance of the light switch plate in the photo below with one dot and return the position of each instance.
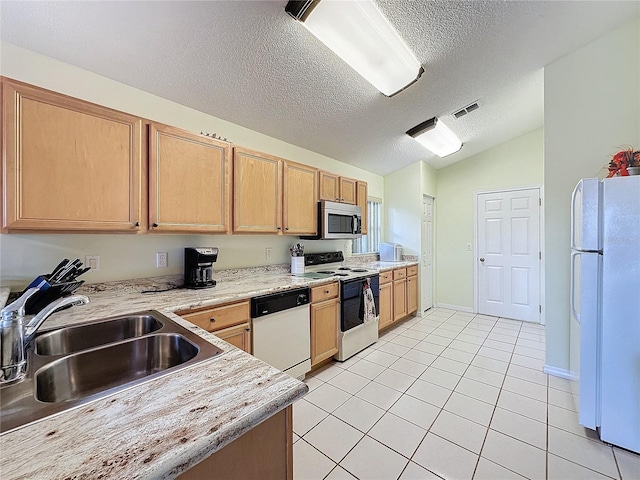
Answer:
(92, 261)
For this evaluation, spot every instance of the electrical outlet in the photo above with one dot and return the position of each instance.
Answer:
(162, 259)
(468, 247)
(267, 252)
(92, 261)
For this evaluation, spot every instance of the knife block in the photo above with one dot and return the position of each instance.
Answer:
(48, 293)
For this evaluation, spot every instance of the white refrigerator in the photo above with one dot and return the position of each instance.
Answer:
(605, 307)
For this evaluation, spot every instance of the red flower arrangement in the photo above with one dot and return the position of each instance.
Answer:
(623, 160)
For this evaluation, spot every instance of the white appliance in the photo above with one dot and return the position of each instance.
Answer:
(605, 307)
(390, 252)
(281, 331)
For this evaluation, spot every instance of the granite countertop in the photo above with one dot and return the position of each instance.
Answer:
(161, 428)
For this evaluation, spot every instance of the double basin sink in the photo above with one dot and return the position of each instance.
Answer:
(74, 365)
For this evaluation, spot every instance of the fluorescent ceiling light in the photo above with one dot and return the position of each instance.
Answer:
(358, 33)
(435, 136)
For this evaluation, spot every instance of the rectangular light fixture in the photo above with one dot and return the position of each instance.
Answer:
(360, 35)
(435, 136)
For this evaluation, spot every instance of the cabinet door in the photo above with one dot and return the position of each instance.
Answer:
(386, 310)
(362, 203)
(412, 294)
(329, 186)
(399, 299)
(300, 199)
(324, 330)
(348, 192)
(68, 165)
(189, 187)
(238, 336)
(257, 192)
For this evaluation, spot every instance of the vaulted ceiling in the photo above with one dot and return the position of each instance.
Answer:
(248, 62)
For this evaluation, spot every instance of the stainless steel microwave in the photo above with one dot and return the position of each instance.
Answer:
(339, 220)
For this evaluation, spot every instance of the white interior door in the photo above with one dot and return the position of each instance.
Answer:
(426, 297)
(508, 254)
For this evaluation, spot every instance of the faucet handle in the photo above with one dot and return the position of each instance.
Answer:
(18, 306)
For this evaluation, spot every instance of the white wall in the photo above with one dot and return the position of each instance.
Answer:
(591, 111)
(122, 256)
(516, 163)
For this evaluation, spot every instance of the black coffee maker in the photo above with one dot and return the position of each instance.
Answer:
(198, 266)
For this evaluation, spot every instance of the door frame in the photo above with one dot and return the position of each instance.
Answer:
(433, 265)
(476, 195)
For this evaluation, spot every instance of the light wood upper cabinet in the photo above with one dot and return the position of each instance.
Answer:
(189, 186)
(337, 189)
(348, 192)
(68, 165)
(329, 186)
(362, 203)
(300, 199)
(257, 192)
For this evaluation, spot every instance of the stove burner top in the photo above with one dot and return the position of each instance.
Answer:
(344, 268)
(342, 274)
(358, 270)
(330, 272)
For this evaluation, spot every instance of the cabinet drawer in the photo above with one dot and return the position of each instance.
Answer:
(386, 277)
(324, 292)
(219, 317)
(413, 270)
(399, 273)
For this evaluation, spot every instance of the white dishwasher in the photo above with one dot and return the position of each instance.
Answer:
(281, 330)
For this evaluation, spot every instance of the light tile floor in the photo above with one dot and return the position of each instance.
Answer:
(450, 395)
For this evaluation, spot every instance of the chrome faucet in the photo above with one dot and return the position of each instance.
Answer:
(15, 335)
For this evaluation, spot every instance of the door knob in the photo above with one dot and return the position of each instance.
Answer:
(482, 259)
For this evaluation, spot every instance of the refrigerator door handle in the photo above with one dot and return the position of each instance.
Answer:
(573, 216)
(574, 312)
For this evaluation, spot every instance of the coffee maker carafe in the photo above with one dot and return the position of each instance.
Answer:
(198, 266)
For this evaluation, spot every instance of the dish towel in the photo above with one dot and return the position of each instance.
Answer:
(369, 314)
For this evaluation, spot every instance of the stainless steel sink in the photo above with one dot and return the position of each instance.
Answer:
(74, 339)
(74, 365)
(83, 374)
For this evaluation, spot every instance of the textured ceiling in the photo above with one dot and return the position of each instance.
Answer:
(249, 63)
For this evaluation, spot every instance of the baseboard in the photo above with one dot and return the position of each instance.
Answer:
(455, 307)
(558, 372)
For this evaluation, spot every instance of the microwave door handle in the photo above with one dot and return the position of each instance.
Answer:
(355, 224)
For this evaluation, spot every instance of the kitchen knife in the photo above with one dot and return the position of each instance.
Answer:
(65, 271)
(58, 269)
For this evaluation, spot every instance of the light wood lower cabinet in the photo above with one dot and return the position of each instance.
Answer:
(398, 294)
(264, 452)
(412, 294)
(238, 336)
(325, 315)
(68, 165)
(386, 305)
(229, 322)
(399, 299)
(189, 182)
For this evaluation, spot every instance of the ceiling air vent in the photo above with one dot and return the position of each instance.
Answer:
(468, 109)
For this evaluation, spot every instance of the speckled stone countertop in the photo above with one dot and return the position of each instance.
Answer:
(161, 428)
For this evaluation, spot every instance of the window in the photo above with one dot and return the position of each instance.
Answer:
(370, 243)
